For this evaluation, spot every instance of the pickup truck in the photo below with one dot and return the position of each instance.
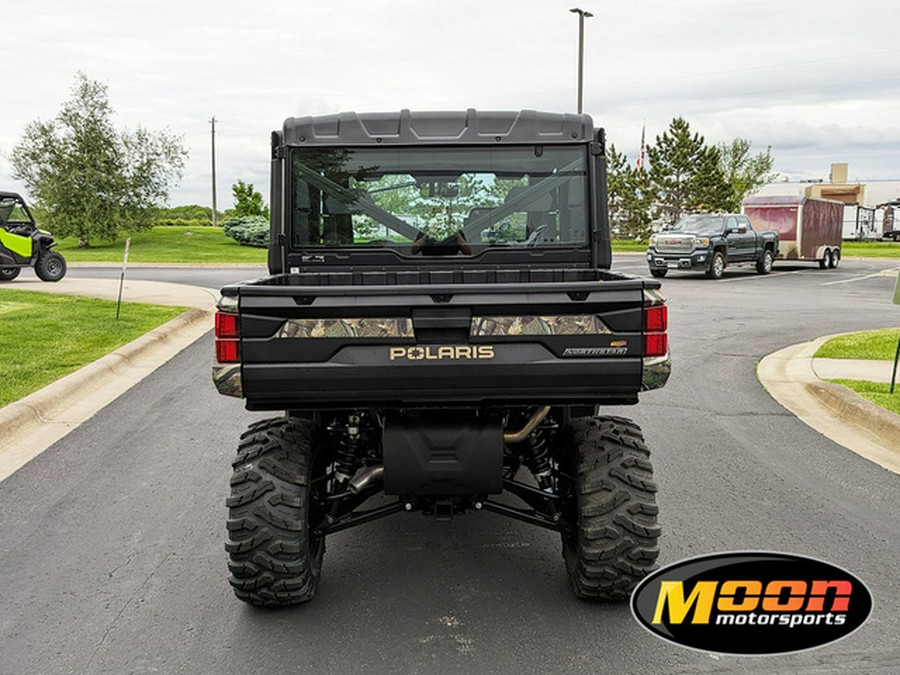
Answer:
(711, 242)
(440, 330)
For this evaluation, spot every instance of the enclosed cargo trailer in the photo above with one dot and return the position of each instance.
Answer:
(808, 229)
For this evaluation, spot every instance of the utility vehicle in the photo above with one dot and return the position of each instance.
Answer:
(440, 331)
(22, 244)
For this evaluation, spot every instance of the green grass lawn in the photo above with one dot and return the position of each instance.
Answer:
(45, 336)
(876, 392)
(869, 345)
(871, 249)
(167, 244)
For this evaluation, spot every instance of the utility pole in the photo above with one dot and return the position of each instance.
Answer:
(582, 15)
(214, 214)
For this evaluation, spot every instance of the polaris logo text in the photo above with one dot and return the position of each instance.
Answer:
(448, 352)
(751, 603)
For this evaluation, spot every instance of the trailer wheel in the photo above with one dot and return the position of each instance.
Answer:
(275, 556)
(835, 258)
(613, 507)
(825, 262)
(9, 273)
(764, 264)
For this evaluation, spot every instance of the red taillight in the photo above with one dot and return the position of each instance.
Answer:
(656, 344)
(656, 322)
(656, 319)
(228, 346)
(228, 351)
(227, 325)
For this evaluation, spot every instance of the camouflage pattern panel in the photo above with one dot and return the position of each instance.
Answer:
(346, 328)
(227, 378)
(564, 324)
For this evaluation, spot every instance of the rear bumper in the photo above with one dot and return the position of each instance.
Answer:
(311, 386)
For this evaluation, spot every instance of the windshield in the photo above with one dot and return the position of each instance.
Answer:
(439, 201)
(12, 212)
(699, 223)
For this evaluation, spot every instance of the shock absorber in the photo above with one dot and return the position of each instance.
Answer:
(346, 456)
(537, 459)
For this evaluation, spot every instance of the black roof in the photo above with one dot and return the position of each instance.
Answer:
(438, 128)
(10, 195)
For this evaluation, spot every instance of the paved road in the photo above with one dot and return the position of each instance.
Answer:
(111, 556)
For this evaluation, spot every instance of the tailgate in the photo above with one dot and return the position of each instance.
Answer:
(314, 347)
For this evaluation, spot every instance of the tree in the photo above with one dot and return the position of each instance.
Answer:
(684, 173)
(709, 189)
(247, 201)
(90, 180)
(744, 173)
(630, 197)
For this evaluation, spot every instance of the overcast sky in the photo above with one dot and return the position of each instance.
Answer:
(817, 81)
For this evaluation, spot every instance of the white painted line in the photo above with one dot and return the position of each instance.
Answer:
(760, 276)
(849, 281)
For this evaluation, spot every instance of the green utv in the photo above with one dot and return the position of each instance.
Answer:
(440, 331)
(22, 244)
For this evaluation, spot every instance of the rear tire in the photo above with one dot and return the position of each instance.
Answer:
(825, 262)
(764, 264)
(9, 273)
(613, 507)
(50, 266)
(275, 558)
(657, 273)
(835, 258)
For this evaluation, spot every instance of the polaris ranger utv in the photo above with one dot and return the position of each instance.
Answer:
(22, 244)
(440, 328)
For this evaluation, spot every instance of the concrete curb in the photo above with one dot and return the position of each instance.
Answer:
(32, 424)
(834, 411)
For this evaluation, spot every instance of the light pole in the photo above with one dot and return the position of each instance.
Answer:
(582, 15)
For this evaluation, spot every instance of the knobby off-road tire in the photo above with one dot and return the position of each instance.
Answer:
(275, 559)
(615, 543)
(9, 273)
(50, 266)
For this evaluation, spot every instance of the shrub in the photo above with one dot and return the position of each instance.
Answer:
(248, 230)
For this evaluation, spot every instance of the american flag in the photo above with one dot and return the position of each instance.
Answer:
(640, 161)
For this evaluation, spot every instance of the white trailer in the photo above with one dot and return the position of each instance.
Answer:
(859, 223)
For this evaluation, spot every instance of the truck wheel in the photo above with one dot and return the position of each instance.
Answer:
(9, 273)
(716, 266)
(657, 273)
(614, 544)
(275, 558)
(764, 264)
(50, 266)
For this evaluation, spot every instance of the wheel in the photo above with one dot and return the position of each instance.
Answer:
(275, 557)
(764, 264)
(716, 266)
(825, 262)
(614, 544)
(658, 273)
(9, 273)
(835, 258)
(50, 266)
